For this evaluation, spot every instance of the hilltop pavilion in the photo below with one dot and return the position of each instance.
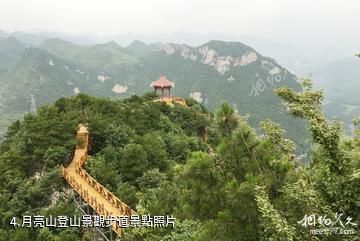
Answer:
(162, 88)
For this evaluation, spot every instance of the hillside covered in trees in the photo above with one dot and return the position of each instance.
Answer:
(210, 73)
(234, 183)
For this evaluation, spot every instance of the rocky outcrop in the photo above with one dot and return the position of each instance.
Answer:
(119, 89)
(209, 56)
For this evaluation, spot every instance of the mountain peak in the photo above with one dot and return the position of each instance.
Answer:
(56, 41)
(33, 54)
(10, 42)
(112, 44)
(136, 44)
(228, 48)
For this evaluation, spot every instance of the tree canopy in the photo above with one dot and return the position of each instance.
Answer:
(221, 178)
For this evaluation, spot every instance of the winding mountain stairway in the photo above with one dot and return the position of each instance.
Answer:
(93, 193)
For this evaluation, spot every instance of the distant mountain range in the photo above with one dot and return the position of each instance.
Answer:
(340, 81)
(303, 57)
(41, 70)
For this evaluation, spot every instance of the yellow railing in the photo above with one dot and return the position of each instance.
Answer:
(72, 176)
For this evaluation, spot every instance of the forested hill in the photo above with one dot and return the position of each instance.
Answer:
(232, 185)
(210, 73)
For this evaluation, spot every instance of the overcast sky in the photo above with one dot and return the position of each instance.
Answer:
(330, 21)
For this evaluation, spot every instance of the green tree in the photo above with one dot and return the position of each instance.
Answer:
(155, 148)
(274, 227)
(201, 180)
(134, 162)
(226, 119)
(332, 166)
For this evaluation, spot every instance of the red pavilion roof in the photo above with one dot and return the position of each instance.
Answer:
(162, 82)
